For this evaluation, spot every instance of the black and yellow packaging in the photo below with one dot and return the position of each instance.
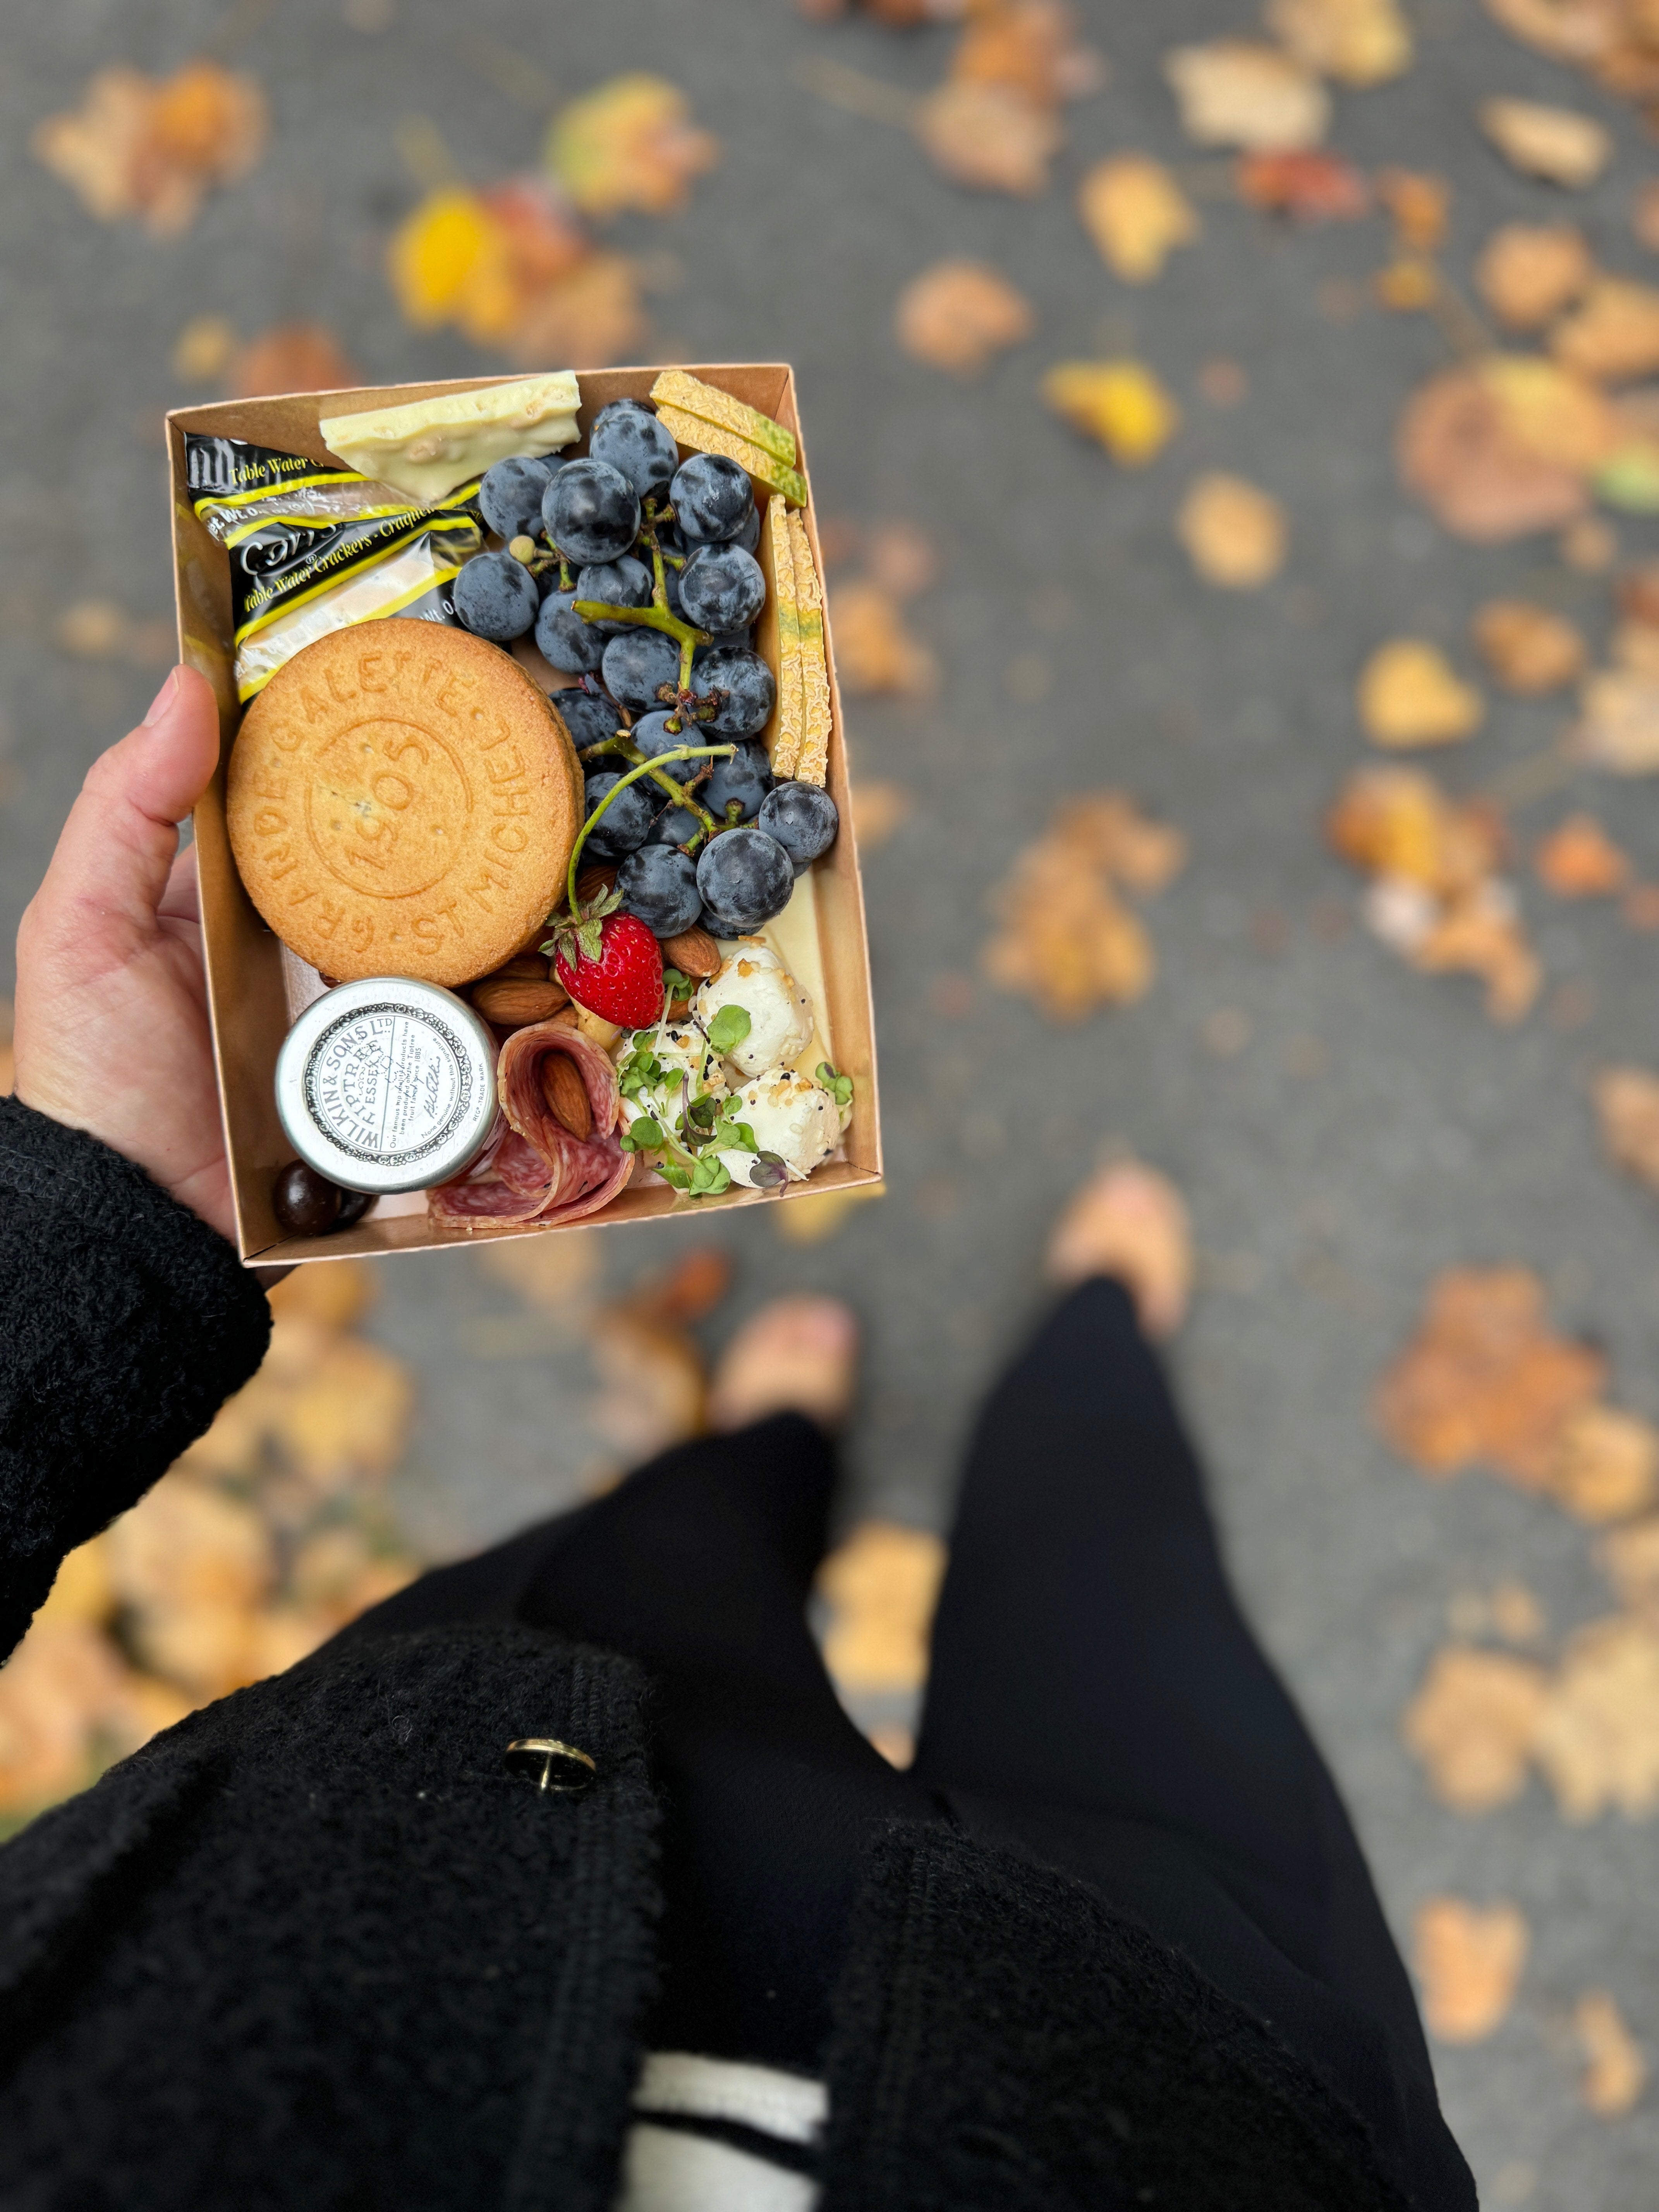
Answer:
(314, 548)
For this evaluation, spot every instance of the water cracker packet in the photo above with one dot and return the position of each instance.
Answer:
(314, 548)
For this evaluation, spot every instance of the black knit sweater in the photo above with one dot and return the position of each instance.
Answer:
(314, 1948)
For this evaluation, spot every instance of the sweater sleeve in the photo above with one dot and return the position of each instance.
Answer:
(125, 1323)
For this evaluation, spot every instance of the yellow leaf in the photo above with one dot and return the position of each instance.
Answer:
(1357, 42)
(1409, 695)
(1136, 214)
(435, 252)
(629, 143)
(1119, 402)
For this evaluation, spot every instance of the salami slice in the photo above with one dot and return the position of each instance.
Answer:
(533, 1168)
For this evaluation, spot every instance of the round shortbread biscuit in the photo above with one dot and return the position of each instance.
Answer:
(402, 800)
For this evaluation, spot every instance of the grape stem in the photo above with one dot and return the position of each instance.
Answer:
(685, 635)
(617, 748)
(644, 768)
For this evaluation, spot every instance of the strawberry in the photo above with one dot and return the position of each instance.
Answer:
(610, 963)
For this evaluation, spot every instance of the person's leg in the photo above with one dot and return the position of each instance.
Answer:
(699, 1567)
(1089, 1653)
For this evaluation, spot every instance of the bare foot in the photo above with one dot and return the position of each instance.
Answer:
(797, 1355)
(1131, 1221)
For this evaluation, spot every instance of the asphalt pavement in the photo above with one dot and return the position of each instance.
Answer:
(1371, 1125)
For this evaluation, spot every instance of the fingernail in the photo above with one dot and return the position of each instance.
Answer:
(162, 700)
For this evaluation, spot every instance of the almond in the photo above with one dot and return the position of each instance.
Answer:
(511, 1001)
(567, 1095)
(602, 876)
(523, 967)
(694, 952)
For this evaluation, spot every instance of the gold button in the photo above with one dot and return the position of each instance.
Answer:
(548, 1763)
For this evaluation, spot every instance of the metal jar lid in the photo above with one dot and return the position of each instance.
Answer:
(387, 1084)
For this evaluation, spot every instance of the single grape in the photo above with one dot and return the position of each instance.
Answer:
(743, 782)
(624, 583)
(651, 735)
(511, 496)
(675, 825)
(750, 689)
(745, 876)
(723, 641)
(713, 498)
(635, 443)
(660, 886)
(748, 536)
(592, 512)
(637, 663)
(803, 817)
(572, 645)
(622, 406)
(722, 587)
(589, 719)
(625, 823)
(495, 597)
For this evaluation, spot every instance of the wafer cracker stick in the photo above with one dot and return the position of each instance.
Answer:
(812, 761)
(678, 388)
(710, 437)
(791, 723)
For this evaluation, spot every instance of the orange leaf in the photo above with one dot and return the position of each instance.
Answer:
(1485, 1382)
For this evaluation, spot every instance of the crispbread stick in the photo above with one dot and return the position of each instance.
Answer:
(678, 388)
(812, 761)
(790, 722)
(710, 437)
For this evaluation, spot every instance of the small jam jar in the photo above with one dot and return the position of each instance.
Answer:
(387, 1084)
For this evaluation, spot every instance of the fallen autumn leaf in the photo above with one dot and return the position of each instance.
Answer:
(1485, 1381)
(1469, 1960)
(958, 314)
(1472, 1725)
(1120, 402)
(1557, 143)
(1357, 42)
(1136, 214)
(1528, 648)
(1239, 92)
(1528, 272)
(1236, 534)
(1408, 695)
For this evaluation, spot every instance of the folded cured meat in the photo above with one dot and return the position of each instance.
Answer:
(533, 1168)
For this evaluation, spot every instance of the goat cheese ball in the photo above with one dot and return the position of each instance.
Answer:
(792, 1117)
(690, 1071)
(781, 1019)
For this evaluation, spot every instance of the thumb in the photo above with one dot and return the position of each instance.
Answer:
(110, 870)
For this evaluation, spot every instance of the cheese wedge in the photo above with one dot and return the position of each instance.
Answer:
(713, 438)
(790, 726)
(679, 388)
(812, 761)
(430, 445)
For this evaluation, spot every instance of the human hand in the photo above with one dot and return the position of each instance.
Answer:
(111, 1032)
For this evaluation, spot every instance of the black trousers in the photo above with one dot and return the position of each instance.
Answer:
(1095, 1698)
